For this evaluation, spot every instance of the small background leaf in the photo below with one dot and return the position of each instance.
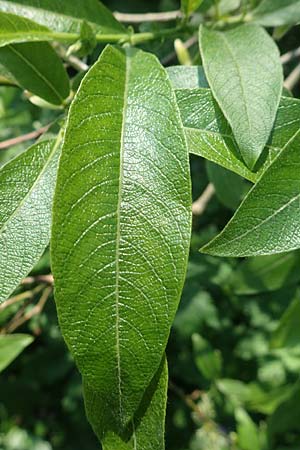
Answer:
(11, 345)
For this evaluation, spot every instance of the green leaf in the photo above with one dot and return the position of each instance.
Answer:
(11, 345)
(121, 227)
(229, 186)
(189, 6)
(37, 68)
(273, 13)
(207, 359)
(209, 134)
(247, 431)
(266, 273)
(244, 71)
(17, 29)
(288, 332)
(187, 77)
(26, 191)
(286, 416)
(146, 430)
(65, 16)
(267, 221)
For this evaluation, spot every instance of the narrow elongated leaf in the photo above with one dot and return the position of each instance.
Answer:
(146, 430)
(65, 16)
(209, 134)
(11, 345)
(121, 227)
(267, 221)
(187, 77)
(37, 68)
(266, 273)
(26, 191)
(247, 90)
(18, 29)
(274, 13)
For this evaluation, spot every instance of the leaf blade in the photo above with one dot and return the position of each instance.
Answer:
(271, 13)
(129, 184)
(27, 186)
(65, 16)
(227, 63)
(274, 199)
(11, 345)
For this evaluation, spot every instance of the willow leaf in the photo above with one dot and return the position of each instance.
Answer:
(26, 191)
(121, 227)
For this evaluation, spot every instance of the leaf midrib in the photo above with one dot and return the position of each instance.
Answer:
(118, 234)
(39, 176)
(38, 73)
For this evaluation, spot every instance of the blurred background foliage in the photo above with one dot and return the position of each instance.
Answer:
(234, 349)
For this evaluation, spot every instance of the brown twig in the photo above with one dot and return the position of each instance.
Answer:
(38, 278)
(289, 56)
(148, 17)
(20, 318)
(20, 297)
(293, 78)
(201, 203)
(24, 137)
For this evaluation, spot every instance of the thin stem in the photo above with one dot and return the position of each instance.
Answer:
(39, 278)
(293, 78)
(289, 56)
(19, 320)
(24, 137)
(201, 203)
(148, 17)
(20, 297)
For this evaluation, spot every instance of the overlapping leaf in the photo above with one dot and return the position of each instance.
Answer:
(26, 191)
(268, 220)
(209, 134)
(65, 16)
(243, 69)
(37, 68)
(121, 227)
(187, 77)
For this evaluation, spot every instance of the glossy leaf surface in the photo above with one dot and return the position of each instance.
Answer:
(65, 16)
(122, 224)
(37, 68)
(247, 92)
(26, 191)
(18, 29)
(11, 345)
(267, 221)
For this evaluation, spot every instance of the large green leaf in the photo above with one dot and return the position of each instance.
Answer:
(65, 16)
(26, 191)
(273, 13)
(121, 227)
(267, 221)
(209, 134)
(146, 430)
(37, 68)
(11, 345)
(243, 69)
